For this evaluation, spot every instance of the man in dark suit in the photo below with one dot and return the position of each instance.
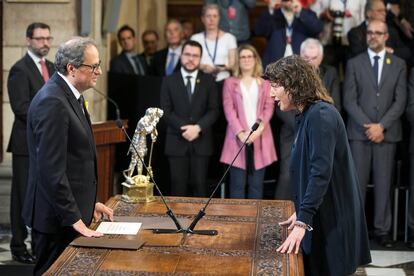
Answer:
(61, 193)
(375, 10)
(26, 77)
(312, 51)
(167, 61)
(374, 98)
(128, 62)
(190, 101)
(286, 28)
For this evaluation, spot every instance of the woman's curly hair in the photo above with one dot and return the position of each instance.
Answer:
(299, 79)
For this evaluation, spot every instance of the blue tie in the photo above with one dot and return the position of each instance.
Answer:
(375, 68)
(171, 65)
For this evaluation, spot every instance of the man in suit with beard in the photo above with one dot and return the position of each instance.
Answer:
(26, 77)
(61, 193)
(374, 97)
(190, 101)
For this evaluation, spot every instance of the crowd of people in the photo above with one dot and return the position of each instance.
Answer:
(213, 92)
(362, 51)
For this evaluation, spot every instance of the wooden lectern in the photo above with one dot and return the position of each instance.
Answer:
(107, 134)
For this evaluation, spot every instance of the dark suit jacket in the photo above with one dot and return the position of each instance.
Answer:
(147, 59)
(330, 80)
(178, 112)
(23, 83)
(159, 62)
(366, 102)
(273, 27)
(327, 194)
(62, 175)
(357, 38)
(121, 65)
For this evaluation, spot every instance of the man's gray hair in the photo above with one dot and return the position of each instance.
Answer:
(72, 52)
(311, 42)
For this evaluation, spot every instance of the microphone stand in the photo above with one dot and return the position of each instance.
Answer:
(120, 125)
(169, 212)
(201, 213)
(117, 112)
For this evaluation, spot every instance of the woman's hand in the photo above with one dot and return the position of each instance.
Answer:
(242, 135)
(208, 69)
(290, 221)
(102, 210)
(256, 134)
(292, 242)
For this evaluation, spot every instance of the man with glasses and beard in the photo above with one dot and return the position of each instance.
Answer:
(375, 96)
(26, 77)
(190, 101)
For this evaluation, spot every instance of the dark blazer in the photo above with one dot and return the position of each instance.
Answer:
(178, 112)
(357, 38)
(159, 62)
(23, 83)
(366, 102)
(273, 27)
(330, 80)
(62, 175)
(121, 65)
(327, 194)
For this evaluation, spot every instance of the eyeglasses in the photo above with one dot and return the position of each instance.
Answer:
(187, 55)
(42, 38)
(376, 33)
(93, 66)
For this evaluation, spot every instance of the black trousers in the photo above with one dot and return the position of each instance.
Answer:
(20, 169)
(189, 173)
(50, 246)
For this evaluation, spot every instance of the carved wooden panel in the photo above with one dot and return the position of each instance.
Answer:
(248, 235)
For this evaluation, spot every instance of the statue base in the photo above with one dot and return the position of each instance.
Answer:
(140, 189)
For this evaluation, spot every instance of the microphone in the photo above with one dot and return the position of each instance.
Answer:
(118, 113)
(202, 212)
(120, 125)
(169, 212)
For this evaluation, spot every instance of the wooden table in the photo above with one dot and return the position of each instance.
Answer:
(248, 235)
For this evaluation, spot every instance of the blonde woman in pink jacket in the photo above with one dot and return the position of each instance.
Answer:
(246, 100)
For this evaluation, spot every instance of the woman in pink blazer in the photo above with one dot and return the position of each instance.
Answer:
(246, 100)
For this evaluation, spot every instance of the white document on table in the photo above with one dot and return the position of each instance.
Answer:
(119, 228)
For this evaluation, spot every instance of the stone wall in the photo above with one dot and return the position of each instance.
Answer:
(64, 20)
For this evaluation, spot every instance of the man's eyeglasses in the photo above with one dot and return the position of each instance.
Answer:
(94, 67)
(376, 33)
(42, 38)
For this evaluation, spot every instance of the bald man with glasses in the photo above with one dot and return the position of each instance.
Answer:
(26, 77)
